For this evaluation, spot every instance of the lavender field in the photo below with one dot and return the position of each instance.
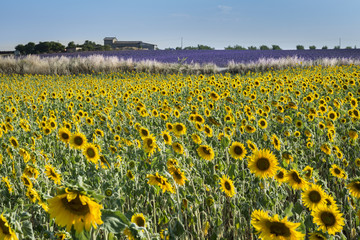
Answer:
(221, 58)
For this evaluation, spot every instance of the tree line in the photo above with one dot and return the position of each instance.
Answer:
(56, 47)
(262, 47)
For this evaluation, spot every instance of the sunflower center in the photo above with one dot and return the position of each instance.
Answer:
(75, 206)
(65, 136)
(280, 175)
(263, 164)
(314, 196)
(295, 177)
(149, 143)
(78, 141)
(238, 150)
(90, 152)
(206, 151)
(140, 222)
(337, 171)
(14, 143)
(4, 228)
(166, 138)
(144, 132)
(227, 186)
(179, 128)
(357, 186)
(328, 219)
(262, 123)
(279, 229)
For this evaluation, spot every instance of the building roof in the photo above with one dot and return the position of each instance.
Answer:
(109, 38)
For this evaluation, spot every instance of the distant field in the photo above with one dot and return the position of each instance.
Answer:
(219, 57)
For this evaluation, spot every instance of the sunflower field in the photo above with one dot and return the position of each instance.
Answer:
(131, 155)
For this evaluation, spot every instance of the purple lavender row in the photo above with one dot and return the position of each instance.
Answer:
(218, 57)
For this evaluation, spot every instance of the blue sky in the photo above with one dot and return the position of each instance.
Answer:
(217, 23)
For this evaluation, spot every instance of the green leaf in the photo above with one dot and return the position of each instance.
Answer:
(114, 221)
(288, 210)
(178, 229)
(231, 171)
(27, 229)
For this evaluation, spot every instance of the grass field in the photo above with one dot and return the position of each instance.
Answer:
(271, 155)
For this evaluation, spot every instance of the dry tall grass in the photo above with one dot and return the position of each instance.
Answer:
(99, 63)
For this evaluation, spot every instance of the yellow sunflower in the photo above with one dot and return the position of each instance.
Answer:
(313, 197)
(262, 123)
(237, 150)
(227, 186)
(329, 220)
(354, 188)
(294, 179)
(52, 174)
(77, 140)
(14, 142)
(275, 228)
(167, 137)
(178, 147)
(139, 220)
(280, 176)
(196, 138)
(263, 163)
(162, 182)
(74, 209)
(179, 129)
(317, 236)
(64, 134)
(144, 132)
(178, 175)
(6, 232)
(338, 172)
(206, 152)
(149, 144)
(91, 152)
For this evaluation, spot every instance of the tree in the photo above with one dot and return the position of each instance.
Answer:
(264, 47)
(29, 48)
(276, 47)
(20, 48)
(312, 47)
(324, 47)
(348, 47)
(252, 48)
(300, 47)
(236, 47)
(71, 45)
(336, 47)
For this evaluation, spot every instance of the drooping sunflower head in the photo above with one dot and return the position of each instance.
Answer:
(354, 188)
(167, 137)
(178, 175)
(263, 163)
(280, 176)
(149, 144)
(74, 209)
(206, 152)
(139, 220)
(13, 141)
(274, 227)
(276, 142)
(6, 232)
(178, 147)
(196, 138)
(294, 179)
(77, 140)
(317, 236)
(237, 150)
